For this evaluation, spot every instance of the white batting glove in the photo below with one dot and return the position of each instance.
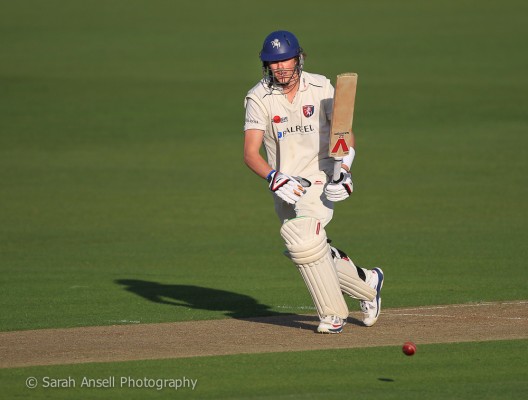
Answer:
(286, 187)
(341, 189)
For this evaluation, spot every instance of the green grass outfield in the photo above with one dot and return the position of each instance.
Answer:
(486, 370)
(107, 215)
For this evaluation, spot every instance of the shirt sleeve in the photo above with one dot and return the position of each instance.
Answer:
(255, 116)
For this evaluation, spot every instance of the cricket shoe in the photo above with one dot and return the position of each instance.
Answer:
(331, 324)
(371, 309)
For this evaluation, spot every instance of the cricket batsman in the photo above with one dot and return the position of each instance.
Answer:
(289, 111)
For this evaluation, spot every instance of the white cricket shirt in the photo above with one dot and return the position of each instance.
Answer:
(296, 135)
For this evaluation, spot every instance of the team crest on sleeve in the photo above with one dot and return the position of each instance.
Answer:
(308, 111)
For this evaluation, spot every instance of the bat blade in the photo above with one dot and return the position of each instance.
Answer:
(343, 115)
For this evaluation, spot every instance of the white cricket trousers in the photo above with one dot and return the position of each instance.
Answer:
(313, 204)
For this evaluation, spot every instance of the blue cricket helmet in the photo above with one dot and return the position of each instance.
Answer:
(280, 45)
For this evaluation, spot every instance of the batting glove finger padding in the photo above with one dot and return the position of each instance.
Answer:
(286, 187)
(341, 189)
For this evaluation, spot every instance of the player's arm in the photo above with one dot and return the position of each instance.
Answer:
(284, 186)
(252, 143)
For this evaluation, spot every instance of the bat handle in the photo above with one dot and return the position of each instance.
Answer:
(337, 169)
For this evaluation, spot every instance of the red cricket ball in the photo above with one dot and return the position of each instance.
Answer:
(276, 119)
(409, 348)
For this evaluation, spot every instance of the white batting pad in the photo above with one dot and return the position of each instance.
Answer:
(306, 242)
(350, 281)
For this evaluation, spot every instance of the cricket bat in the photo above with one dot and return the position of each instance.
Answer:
(342, 117)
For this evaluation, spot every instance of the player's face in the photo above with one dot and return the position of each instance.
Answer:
(283, 71)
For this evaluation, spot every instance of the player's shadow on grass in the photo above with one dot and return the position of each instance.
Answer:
(234, 305)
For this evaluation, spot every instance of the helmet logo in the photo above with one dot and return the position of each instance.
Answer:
(275, 43)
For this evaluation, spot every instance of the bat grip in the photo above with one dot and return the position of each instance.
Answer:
(337, 169)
